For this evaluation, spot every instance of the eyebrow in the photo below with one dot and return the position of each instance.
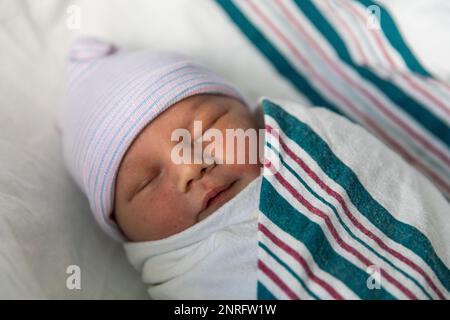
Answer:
(198, 107)
(213, 122)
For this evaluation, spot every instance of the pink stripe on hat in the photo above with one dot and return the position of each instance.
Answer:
(112, 94)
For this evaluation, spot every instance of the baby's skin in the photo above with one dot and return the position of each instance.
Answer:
(156, 197)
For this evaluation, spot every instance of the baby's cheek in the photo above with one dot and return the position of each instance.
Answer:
(168, 214)
(244, 171)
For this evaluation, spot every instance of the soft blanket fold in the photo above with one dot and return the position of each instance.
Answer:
(214, 259)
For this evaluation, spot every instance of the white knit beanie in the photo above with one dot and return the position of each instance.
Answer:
(112, 94)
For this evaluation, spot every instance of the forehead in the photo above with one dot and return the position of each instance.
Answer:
(161, 128)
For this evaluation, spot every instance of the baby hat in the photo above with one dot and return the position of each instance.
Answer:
(112, 94)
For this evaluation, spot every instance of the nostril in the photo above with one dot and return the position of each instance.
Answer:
(188, 185)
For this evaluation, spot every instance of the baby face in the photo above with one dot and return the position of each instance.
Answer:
(155, 196)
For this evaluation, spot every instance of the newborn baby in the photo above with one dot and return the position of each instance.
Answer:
(121, 112)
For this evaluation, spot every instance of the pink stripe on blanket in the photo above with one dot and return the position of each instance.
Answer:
(298, 257)
(348, 213)
(336, 235)
(354, 110)
(277, 280)
(382, 45)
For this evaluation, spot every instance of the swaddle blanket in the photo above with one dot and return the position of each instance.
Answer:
(344, 217)
(214, 259)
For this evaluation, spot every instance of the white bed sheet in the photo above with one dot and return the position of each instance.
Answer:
(45, 224)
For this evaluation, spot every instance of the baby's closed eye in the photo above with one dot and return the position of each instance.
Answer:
(147, 181)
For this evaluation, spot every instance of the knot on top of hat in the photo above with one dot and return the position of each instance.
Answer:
(88, 48)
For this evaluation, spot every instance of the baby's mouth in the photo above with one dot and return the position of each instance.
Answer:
(217, 196)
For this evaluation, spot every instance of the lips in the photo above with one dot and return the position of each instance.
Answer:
(214, 193)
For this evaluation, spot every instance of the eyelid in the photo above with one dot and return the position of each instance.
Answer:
(143, 185)
(213, 122)
(217, 118)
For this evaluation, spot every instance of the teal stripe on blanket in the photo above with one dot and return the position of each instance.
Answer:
(283, 66)
(285, 266)
(341, 222)
(400, 98)
(311, 235)
(263, 293)
(416, 110)
(405, 234)
(395, 38)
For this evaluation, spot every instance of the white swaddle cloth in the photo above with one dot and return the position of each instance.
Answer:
(214, 259)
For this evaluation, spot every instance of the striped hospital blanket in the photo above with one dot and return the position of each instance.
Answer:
(339, 55)
(344, 217)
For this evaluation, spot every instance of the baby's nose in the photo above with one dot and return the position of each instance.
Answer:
(188, 174)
